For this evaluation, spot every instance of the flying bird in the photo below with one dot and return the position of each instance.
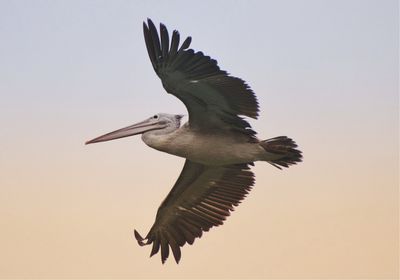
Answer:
(218, 144)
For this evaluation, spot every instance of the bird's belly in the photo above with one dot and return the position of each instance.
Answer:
(212, 150)
(214, 155)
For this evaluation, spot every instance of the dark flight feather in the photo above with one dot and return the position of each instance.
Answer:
(202, 197)
(214, 99)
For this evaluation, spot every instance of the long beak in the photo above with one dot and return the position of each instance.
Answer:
(131, 130)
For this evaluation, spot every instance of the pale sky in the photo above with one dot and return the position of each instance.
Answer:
(326, 73)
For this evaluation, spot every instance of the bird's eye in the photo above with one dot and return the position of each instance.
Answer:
(155, 117)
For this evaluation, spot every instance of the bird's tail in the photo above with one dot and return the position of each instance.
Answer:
(281, 151)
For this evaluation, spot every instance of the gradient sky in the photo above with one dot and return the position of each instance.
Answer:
(326, 74)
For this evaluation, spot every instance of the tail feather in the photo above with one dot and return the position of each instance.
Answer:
(282, 151)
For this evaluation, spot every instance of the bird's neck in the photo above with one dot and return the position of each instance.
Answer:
(158, 139)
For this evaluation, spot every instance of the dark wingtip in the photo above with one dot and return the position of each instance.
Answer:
(147, 23)
(186, 43)
(177, 254)
(149, 20)
(151, 24)
(139, 238)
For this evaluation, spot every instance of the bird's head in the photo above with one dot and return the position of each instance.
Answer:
(160, 123)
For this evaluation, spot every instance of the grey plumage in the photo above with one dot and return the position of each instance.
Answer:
(218, 143)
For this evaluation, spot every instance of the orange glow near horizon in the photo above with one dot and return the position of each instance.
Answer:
(326, 75)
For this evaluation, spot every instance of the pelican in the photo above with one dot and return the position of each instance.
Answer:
(218, 144)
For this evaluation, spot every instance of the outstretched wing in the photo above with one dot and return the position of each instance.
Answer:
(201, 198)
(213, 98)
